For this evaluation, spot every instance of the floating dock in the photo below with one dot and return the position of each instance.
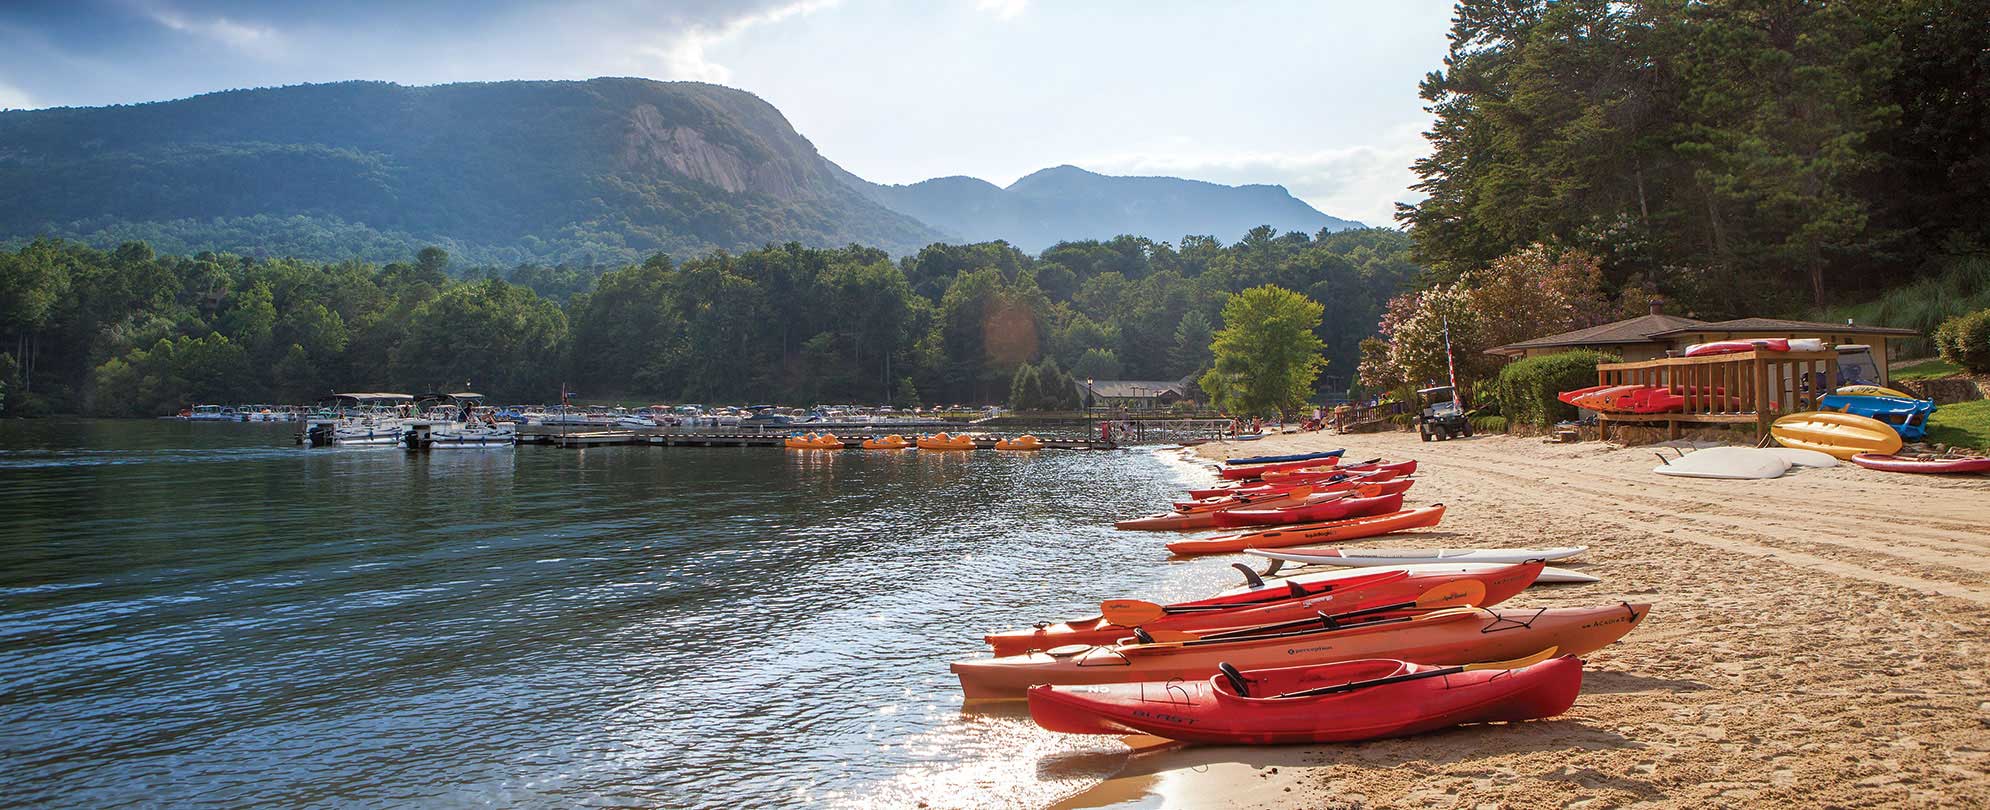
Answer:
(539, 434)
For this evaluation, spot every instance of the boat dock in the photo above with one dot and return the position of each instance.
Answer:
(663, 437)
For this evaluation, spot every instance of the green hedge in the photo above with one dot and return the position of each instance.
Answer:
(1965, 341)
(1527, 388)
(1488, 424)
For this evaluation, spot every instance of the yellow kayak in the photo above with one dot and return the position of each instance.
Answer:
(1841, 435)
(1872, 391)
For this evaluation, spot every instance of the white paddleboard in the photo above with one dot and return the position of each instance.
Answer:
(1798, 457)
(1727, 462)
(1400, 556)
(1308, 576)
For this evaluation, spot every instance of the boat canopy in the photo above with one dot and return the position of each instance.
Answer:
(368, 398)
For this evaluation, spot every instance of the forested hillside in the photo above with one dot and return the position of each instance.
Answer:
(131, 332)
(1068, 203)
(602, 171)
(1749, 158)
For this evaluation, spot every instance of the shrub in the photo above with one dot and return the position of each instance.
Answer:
(1527, 388)
(1965, 341)
(1488, 424)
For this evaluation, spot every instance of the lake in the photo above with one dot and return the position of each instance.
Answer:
(205, 614)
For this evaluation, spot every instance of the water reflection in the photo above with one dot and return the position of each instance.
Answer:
(208, 615)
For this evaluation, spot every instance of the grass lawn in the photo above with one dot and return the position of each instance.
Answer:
(1926, 370)
(1963, 424)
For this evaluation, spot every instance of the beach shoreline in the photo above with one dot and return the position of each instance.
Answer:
(1815, 639)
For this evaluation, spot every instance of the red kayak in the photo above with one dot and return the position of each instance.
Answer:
(1932, 464)
(1737, 346)
(1174, 520)
(1318, 479)
(1251, 471)
(1315, 511)
(1258, 707)
(1398, 467)
(1240, 497)
(1313, 533)
(1379, 589)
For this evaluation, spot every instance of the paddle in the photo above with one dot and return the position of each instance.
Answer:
(1516, 663)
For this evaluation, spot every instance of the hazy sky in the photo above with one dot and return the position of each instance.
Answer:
(1317, 96)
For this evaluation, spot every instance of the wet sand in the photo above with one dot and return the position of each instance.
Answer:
(1817, 640)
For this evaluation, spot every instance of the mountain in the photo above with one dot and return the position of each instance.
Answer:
(600, 170)
(592, 172)
(1068, 203)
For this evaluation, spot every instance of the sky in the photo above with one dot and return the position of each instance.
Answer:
(1320, 97)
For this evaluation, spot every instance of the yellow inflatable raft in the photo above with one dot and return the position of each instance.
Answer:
(1842, 435)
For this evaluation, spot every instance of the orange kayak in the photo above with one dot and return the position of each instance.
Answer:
(1309, 533)
(1447, 636)
(1378, 589)
(1177, 520)
(1318, 481)
(1398, 467)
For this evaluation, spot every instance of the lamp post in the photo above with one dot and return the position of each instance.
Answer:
(1091, 396)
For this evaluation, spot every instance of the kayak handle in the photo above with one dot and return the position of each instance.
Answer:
(1235, 678)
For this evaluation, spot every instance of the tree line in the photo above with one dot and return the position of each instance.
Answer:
(1743, 158)
(132, 332)
(1749, 156)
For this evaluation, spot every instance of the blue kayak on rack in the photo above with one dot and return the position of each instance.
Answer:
(1277, 459)
(1907, 417)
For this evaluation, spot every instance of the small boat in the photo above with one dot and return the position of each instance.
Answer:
(1279, 577)
(1397, 556)
(1922, 464)
(942, 441)
(1328, 532)
(1907, 416)
(1023, 442)
(213, 413)
(1872, 391)
(891, 442)
(1445, 636)
(1292, 457)
(1315, 480)
(1383, 502)
(1349, 701)
(460, 435)
(1377, 589)
(1842, 435)
(1245, 473)
(1177, 520)
(1399, 467)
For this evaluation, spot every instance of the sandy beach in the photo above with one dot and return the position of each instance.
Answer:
(1816, 640)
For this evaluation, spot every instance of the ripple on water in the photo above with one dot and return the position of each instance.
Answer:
(233, 621)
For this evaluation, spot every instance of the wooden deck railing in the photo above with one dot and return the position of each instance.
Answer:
(1754, 386)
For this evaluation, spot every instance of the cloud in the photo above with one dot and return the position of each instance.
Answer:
(1002, 9)
(1362, 182)
(686, 57)
(14, 98)
(254, 39)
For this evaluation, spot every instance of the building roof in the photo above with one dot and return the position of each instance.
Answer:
(1780, 325)
(1630, 330)
(1134, 389)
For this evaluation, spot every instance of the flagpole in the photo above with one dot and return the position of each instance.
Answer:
(1450, 366)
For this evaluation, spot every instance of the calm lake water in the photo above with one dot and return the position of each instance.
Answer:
(204, 614)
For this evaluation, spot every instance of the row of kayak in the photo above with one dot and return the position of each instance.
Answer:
(1381, 652)
(1326, 644)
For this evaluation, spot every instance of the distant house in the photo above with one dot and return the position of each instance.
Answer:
(1134, 395)
(1656, 335)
